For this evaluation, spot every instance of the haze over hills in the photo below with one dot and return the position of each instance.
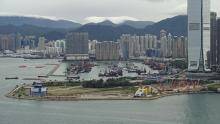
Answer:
(137, 24)
(104, 23)
(106, 30)
(50, 33)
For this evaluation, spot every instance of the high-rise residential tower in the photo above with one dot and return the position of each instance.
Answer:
(198, 35)
(107, 50)
(124, 41)
(77, 43)
(41, 43)
(77, 46)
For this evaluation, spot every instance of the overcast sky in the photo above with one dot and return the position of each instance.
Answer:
(84, 11)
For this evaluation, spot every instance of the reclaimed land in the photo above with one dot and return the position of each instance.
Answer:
(97, 90)
(112, 89)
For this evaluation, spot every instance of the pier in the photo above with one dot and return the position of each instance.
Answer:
(54, 69)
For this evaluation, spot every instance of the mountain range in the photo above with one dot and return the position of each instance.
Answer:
(106, 30)
(39, 22)
(176, 26)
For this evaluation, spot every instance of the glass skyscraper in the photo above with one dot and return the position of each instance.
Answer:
(198, 35)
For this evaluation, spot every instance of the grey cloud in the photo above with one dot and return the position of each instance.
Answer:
(152, 10)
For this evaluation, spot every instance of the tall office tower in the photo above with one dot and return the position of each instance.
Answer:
(213, 49)
(198, 35)
(218, 41)
(77, 43)
(41, 44)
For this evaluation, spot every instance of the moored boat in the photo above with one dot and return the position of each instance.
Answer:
(218, 90)
(73, 77)
(43, 76)
(22, 66)
(11, 78)
(39, 66)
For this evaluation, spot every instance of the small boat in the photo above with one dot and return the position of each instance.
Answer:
(11, 78)
(37, 79)
(39, 66)
(42, 76)
(22, 66)
(218, 90)
(132, 70)
(73, 77)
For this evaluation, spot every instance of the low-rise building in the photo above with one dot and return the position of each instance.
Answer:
(218, 90)
(38, 89)
(145, 91)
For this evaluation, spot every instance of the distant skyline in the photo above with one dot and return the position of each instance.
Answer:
(85, 11)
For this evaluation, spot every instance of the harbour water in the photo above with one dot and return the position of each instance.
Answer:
(183, 109)
(102, 67)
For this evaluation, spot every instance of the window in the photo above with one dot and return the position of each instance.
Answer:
(194, 26)
(193, 63)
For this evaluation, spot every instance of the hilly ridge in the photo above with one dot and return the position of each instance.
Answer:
(40, 22)
(176, 26)
(98, 31)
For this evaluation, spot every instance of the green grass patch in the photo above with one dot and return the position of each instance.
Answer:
(74, 91)
(213, 87)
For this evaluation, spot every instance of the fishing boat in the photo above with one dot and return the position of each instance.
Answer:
(43, 76)
(73, 77)
(218, 90)
(22, 66)
(11, 78)
(39, 66)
